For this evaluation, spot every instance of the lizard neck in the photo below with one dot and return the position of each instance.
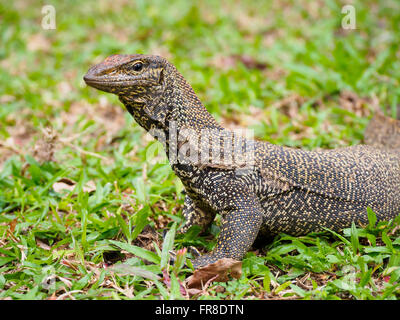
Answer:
(175, 117)
(188, 111)
(175, 105)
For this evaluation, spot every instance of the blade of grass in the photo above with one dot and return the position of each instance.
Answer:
(167, 246)
(137, 251)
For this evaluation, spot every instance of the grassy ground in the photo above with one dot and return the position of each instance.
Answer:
(286, 69)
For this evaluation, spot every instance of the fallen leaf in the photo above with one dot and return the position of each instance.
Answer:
(12, 224)
(229, 62)
(42, 245)
(38, 42)
(220, 270)
(6, 98)
(193, 291)
(250, 62)
(69, 185)
(90, 186)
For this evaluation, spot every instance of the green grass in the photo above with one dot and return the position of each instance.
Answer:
(295, 91)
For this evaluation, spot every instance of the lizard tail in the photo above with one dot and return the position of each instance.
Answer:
(383, 132)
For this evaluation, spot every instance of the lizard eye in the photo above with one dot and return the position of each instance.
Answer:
(137, 66)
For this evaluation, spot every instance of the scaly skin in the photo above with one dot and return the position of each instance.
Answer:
(285, 190)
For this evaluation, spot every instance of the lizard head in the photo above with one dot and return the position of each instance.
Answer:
(150, 88)
(133, 77)
(138, 80)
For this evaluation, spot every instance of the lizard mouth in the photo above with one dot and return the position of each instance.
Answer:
(117, 83)
(113, 85)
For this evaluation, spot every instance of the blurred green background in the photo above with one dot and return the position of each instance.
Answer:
(284, 63)
(286, 69)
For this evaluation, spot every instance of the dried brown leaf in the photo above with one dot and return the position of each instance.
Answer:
(251, 62)
(12, 224)
(69, 185)
(229, 62)
(38, 42)
(6, 98)
(218, 270)
(42, 245)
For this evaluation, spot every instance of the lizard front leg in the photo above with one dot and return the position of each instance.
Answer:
(241, 220)
(195, 215)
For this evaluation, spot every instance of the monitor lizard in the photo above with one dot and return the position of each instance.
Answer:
(267, 189)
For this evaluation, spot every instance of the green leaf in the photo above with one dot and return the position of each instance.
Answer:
(387, 241)
(371, 239)
(283, 286)
(345, 284)
(371, 217)
(178, 186)
(2, 281)
(83, 282)
(140, 190)
(354, 238)
(379, 249)
(282, 249)
(137, 251)
(140, 221)
(32, 294)
(84, 230)
(300, 292)
(162, 290)
(5, 260)
(267, 282)
(77, 249)
(135, 271)
(347, 242)
(168, 244)
(365, 278)
(314, 284)
(124, 226)
(175, 287)
(180, 261)
(332, 258)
